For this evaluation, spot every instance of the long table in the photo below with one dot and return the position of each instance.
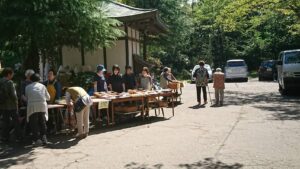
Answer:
(103, 103)
(126, 99)
(143, 98)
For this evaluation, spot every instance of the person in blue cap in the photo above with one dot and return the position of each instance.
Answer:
(100, 84)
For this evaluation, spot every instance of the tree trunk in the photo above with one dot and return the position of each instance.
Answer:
(32, 59)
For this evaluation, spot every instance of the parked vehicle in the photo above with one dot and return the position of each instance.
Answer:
(288, 68)
(236, 69)
(206, 66)
(267, 70)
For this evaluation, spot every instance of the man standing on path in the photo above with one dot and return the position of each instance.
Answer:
(219, 85)
(201, 75)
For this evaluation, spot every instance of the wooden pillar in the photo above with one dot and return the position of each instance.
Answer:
(144, 46)
(126, 44)
(105, 57)
(60, 55)
(82, 55)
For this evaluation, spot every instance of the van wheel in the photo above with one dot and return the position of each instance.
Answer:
(246, 80)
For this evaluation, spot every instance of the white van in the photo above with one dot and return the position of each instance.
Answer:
(236, 69)
(288, 67)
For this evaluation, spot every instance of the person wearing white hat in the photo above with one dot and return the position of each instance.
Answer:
(219, 86)
(24, 84)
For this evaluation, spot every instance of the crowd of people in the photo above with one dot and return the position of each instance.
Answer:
(36, 96)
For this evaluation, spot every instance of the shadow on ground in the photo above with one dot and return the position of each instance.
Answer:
(15, 154)
(282, 107)
(23, 153)
(207, 163)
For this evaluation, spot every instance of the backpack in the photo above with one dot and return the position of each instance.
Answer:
(201, 76)
(2, 91)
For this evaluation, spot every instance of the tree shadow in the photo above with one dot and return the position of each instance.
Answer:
(282, 112)
(210, 163)
(134, 165)
(282, 107)
(244, 98)
(207, 163)
(15, 154)
(63, 141)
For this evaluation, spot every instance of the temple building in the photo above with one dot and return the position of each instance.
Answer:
(137, 23)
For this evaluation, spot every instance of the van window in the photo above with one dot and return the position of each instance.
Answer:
(281, 57)
(292, 57)
(267, 64)
(236, 64)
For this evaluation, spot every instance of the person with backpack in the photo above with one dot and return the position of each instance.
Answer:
(201, 75)
(77, 99)
(9, 105)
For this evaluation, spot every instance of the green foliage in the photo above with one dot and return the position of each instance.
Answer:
(30, 28)
(82, 79)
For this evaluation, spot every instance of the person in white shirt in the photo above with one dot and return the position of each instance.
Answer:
(37, 110)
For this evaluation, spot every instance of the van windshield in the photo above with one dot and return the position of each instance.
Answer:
(292, 57)
(235, 63)
(268, 64)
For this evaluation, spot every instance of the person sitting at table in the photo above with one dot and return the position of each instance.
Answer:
(77, 99)
(171, 76)
(100, 84)
(165, 78)
(129, 79)
(145, 80)
(115, 81)
(37, 110)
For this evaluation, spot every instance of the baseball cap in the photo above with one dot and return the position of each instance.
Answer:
(100, 68)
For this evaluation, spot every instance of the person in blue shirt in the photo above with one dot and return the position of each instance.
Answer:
(100, 84)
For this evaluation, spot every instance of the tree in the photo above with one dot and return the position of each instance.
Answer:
(266, 27)
(41, 27)
(170, 48)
